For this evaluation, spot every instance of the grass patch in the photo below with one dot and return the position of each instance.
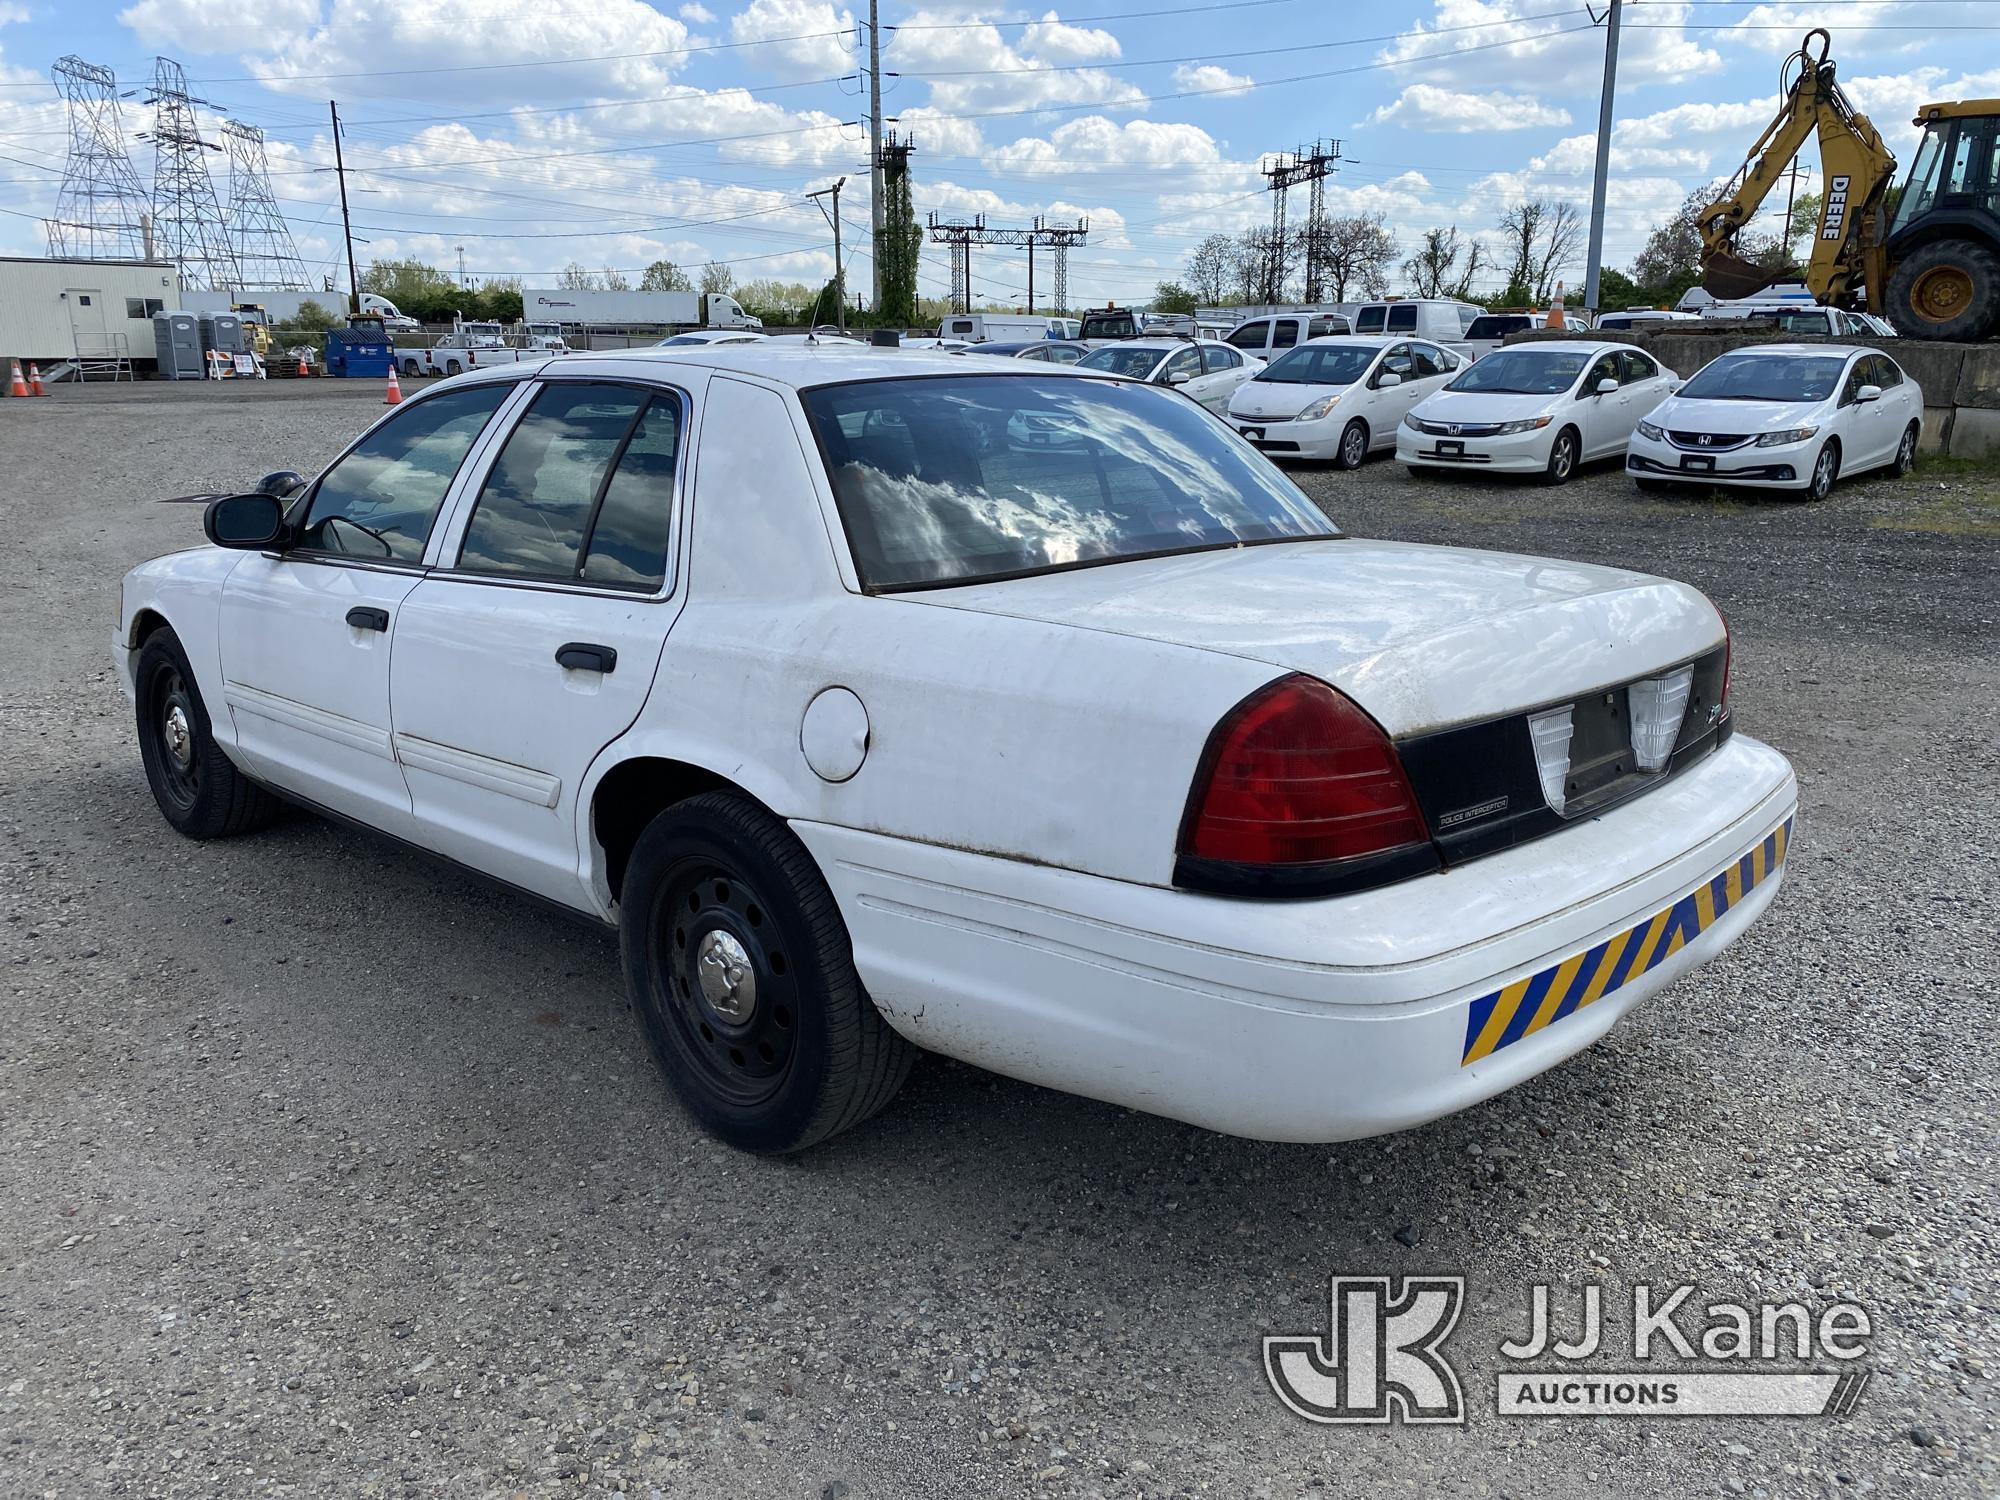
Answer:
(1946, 496)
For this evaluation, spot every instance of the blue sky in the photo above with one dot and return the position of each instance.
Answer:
(614, 132)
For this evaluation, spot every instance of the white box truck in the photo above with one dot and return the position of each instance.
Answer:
(590, 309)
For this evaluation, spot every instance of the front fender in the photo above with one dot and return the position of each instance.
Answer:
(183, 589)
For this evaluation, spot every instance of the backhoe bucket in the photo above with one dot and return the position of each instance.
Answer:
(1728, 277)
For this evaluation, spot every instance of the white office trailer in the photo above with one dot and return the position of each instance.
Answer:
(96, 313)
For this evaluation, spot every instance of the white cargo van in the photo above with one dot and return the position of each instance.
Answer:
(1442, 320)
(981, 328)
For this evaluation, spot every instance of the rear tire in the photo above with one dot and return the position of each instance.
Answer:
(453, 367)
(1949, 289)
(199, 791)
(1353, 445)
(1562, 458)
(411, 369)
(740, 968)
(1906, 451)
(1825, 471)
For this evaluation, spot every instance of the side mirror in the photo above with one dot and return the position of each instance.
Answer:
(1178, 377)
(281, 483)
(1605, 386)
(247, 522)
(1386, 379)
(1869, 393)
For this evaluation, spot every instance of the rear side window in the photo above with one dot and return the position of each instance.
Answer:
(1251, 336)
(583, 490)
(1284, 333)
(1369, 319)
(1219, 357)
(380, 499)
(1402, 317)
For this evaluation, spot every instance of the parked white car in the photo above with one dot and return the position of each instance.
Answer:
(1536, 409)
(1782, 416)
(701, 338)
(1341, 397)
(886, 700)
(1203, 369)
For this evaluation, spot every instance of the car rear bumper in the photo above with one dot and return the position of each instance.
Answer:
(1775, 468)
(1315, 1020)
(1517, 453)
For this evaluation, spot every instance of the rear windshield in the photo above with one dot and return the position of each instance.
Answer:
(1109, 326)
(1767, 377)
(1319, 364)
(1137, 363)
(1492, 327)
(1523, 372)
(962, 478)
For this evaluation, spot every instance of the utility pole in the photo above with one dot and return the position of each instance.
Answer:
(346, 224)
(839, 297)
(1603, 171)
(875, 219)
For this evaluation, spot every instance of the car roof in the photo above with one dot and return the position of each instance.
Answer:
(1594, 346)
(1762, 350)
(1359, 340)
(796, 365)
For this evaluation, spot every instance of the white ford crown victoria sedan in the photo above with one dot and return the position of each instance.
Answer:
(1339, 397)
(1782, 416)
(883, 701)
(1536, 409)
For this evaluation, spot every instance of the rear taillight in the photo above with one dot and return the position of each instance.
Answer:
(1300, 792)
(1728, 657)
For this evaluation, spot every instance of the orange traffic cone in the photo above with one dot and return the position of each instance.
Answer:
(35, 386)
(18, 387)
(1556, 318)
(303, 371)
(394, 395)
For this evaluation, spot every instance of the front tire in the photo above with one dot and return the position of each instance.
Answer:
(1562, 458)
(199, 791)
(1948, 289)
(1353, 445)
(740, 967)
(1825, 470)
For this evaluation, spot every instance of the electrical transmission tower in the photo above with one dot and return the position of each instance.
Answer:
(187, 221)
(1311, 165)
(962, 234)
(101, 206)
(901, 237)
(259, 241)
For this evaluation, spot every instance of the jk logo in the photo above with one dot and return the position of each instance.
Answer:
(1379, 1361)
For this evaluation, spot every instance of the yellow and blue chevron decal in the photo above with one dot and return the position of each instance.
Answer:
(1527, 1005)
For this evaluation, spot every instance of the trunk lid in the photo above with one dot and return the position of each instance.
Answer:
(1422, 637)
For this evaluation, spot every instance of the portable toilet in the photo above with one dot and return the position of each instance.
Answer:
(222, 332)
(177, 345)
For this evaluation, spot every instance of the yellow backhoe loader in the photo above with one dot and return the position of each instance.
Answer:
(1932, 266)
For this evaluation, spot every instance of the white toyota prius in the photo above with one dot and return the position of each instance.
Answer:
(1536, 409)
(883, 702)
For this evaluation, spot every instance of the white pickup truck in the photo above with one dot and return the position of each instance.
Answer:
(479, 346)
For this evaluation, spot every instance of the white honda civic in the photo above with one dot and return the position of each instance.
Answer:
(1782, 416)
(1536, 409)
(882, 701)
(1339, 397)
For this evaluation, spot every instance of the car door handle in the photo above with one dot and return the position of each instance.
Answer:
(368, 617)
(581, 656)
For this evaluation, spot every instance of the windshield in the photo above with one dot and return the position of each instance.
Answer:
(682, 340)
(1767, 377)
(956, 479)
(1524, 372)
(1138, 363)
(1491, 327)
(1320, 364)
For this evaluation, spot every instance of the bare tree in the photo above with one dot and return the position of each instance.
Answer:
(1211, 267)
(1357, 251)
(575, 279)
(1260, 275)
(1436, 269)
(1542, 237)
(616, 281)
(716, 277)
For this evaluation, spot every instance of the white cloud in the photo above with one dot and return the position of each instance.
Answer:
(697, 15)
(1053, 42)
(1547, 52)
(825, 48)
(972, 68)
(1424, 106)
(1207, 78)
(219, 27)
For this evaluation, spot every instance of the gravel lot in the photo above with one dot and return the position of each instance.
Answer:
(329, 1171)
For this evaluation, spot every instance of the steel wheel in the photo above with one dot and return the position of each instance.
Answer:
(1941, 294)
(199, 791)
(723, 981)
(170, 710)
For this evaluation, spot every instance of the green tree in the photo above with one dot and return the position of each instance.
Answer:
(314, 318)
(616, 281)
(664, 276)
(717, 279)
(1616, 291)
(500, 299)
(575, 279)
(1805, 220)
(405, 282)
(1172, 297)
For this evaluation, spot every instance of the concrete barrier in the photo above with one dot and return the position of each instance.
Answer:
(1960, 382)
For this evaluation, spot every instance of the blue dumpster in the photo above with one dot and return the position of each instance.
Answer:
(361, 349)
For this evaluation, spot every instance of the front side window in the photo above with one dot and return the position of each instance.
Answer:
(1185, 365)
(1251, 336)
(1605, 367)
(1284, 333)
(582, 491)
(1883, 371)
(948, 480)
(1428, 361)
(380, 499)
(1522, 372)
(1857, 377)
(1398, 361)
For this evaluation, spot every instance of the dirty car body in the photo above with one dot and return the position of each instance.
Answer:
(1096, 754)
